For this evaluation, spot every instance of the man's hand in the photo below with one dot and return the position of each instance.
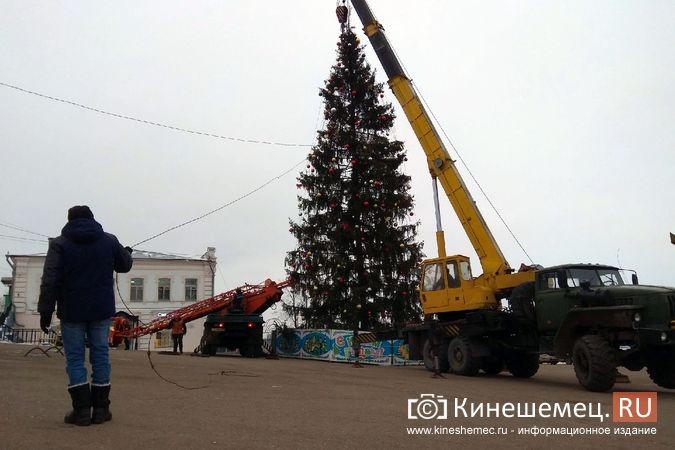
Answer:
(129, 249)
(45, 321)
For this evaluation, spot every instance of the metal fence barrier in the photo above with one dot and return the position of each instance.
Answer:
(29, 336)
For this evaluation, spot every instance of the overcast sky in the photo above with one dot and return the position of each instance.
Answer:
(563, 110)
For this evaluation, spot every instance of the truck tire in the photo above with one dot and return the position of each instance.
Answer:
(521, 301)
(208, 350)
(662, 370)
(522, 365)
(594, 363)
(251, 348)
(443, 365)
(461, 357)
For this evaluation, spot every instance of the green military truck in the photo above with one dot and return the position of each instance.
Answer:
(596, 316)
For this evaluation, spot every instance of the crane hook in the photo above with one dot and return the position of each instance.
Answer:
(342, 12)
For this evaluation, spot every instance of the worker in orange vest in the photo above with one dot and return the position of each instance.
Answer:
(178, 329)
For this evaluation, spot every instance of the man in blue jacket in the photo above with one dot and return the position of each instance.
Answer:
(78, 280)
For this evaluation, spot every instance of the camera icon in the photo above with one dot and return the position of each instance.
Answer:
(428, 406)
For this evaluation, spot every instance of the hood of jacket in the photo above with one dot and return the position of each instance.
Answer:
(83, 231)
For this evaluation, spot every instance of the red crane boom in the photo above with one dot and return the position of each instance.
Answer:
(258, 298)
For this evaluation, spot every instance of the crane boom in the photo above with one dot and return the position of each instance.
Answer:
(439, 161)
(498, 278)
(258, 298)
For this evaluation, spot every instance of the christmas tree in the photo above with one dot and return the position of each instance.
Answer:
(356, 260)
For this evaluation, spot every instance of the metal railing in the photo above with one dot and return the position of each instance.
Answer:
(29, 336)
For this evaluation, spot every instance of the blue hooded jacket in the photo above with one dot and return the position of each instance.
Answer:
(78, 272)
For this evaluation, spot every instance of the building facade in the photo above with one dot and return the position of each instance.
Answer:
(157, 284)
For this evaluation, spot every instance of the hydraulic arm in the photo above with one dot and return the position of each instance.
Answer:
(257, 299)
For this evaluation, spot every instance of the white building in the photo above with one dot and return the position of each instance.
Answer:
(157, 284)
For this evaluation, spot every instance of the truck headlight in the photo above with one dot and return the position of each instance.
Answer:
(664, 337)
(637, 317)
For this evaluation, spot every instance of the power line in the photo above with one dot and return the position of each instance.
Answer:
(19, 238)
(285, 172)
(148, 122)
(18, 228)
(223, 206)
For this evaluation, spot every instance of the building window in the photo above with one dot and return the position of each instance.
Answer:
(190, 289)
(136, 290)
(164, 289)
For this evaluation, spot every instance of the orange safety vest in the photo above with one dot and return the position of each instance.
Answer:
(178, 327)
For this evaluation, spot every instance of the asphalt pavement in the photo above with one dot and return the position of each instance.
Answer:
(233, 402)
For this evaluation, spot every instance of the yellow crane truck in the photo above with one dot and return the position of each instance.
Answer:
(597, 316)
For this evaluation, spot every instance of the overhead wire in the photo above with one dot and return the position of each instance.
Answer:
(19, 238)
(149, 122)
(213, 211)
(18, 228)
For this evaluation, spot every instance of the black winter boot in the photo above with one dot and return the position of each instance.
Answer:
(81, 413)
(99, 401)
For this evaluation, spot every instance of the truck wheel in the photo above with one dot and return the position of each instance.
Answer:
(522, 365)
(443, 365)
(594, 363)
(209, 350)
(662, 370)
(461, 357)
(255, 350)
(521, 301)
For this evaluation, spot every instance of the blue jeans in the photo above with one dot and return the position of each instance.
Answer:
(73, 335)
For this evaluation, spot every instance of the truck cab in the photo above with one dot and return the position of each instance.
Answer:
(600, 317)
(447, 284)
